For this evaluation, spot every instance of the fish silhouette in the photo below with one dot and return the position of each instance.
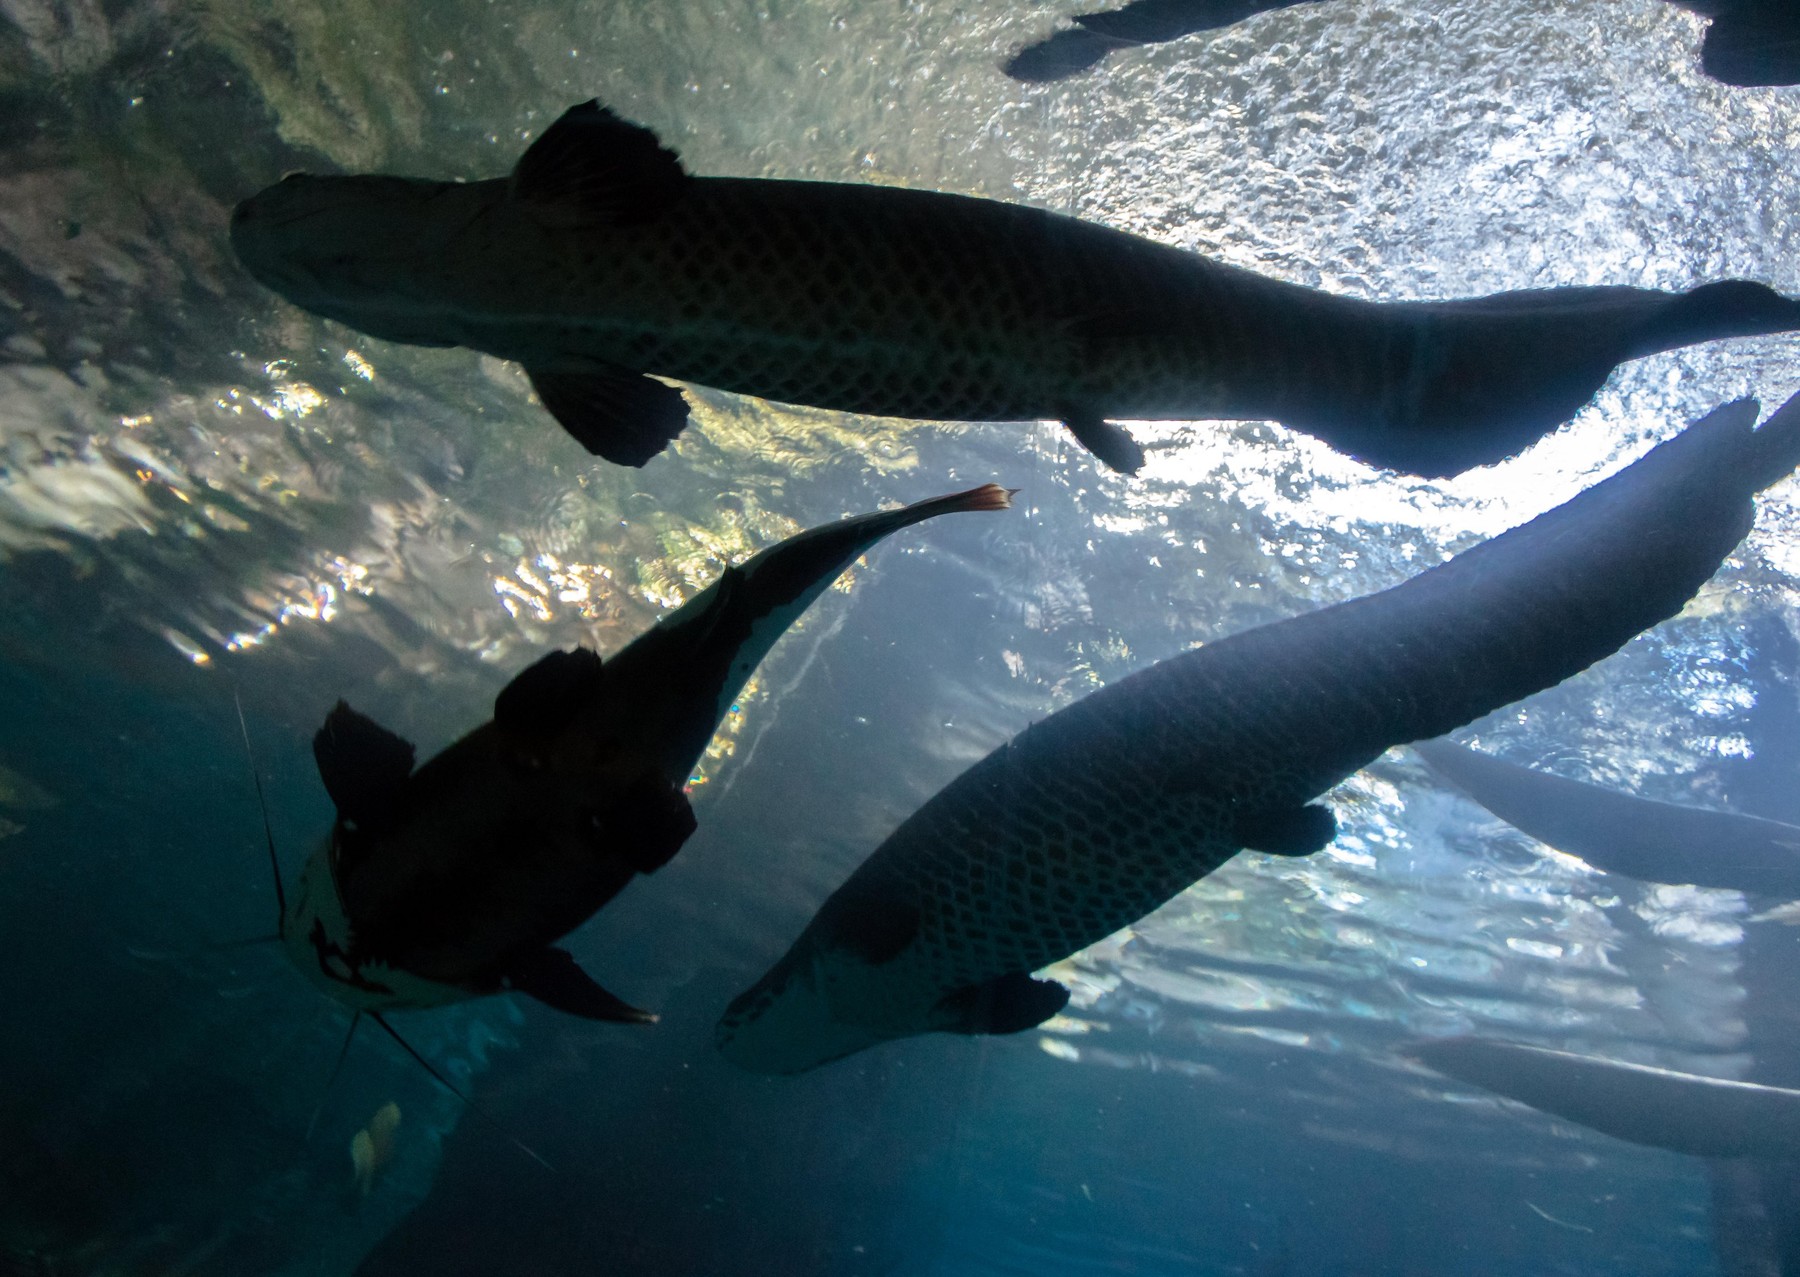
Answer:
(456, 880)
(599, 260)
(1098, 814)
(1663, 1108)
(1622, 833)
(1085, 45)
(1748, 42)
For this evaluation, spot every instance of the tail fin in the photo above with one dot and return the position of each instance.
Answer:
(710, 646)
(989, 496)
(1777, 445)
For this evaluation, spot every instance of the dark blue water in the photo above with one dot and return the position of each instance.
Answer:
(205, 492)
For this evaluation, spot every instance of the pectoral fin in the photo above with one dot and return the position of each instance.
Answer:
(1007, 1004)
(593, 166)
(546, 696)
(647, 824)
(552, 977)
(621, 416)
(363, 764)
(1287, 831)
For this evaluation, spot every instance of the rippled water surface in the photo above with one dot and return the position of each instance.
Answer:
(205, 492)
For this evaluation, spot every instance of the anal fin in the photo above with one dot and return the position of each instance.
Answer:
(1010, 1003)
(553, 977)
(1287, 831)
(621, 416)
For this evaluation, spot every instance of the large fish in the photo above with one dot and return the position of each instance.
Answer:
(456, 880)
(1663, 1108)
(599, 261)
(1748, 42)
(1622, 833)
(1093, 817)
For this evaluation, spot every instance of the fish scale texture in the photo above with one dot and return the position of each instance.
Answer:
(1094, 817)
(919, 304)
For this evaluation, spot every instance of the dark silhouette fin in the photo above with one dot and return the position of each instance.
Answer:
(1006, 1004)
(1059, 56)
(1110, 443)
(553, 977)
(1291, 831)
(1776, 441)
(648, 824)
(364, 766)
(1754, 50)
(546, 696)
(1141, 22)
(709, 647)
(1725, 308)
(1159, 21)
(593, 166)
(621, 416)
(876, 929)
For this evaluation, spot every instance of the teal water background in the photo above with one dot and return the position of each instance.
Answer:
(205, 491)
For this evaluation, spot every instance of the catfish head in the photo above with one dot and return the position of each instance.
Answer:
(455, 880)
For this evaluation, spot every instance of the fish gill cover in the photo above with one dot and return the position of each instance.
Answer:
(203, 488)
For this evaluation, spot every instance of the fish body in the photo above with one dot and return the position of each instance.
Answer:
(599, 261)
(1625, 834)
(1098, 814)
(1748, 42)
(1662, 1108)
(457, 879)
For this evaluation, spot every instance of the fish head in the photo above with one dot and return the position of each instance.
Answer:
(360, 249)
(319, 940)
(800, 1016)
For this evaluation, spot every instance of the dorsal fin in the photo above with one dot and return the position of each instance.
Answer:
(592, 166)
(363, 764)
